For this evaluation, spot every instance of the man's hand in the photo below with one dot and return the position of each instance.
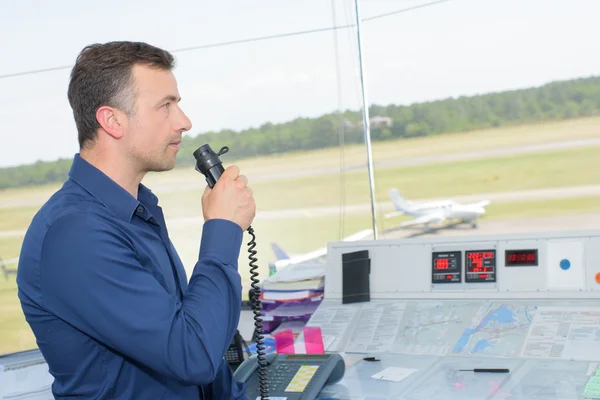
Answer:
(230, 199)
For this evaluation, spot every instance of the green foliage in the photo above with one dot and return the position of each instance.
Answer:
(554, 101)
(35, 174)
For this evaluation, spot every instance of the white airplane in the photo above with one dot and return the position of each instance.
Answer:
(435, 212)
(284, 259)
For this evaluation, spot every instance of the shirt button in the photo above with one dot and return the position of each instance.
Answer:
(140, 209)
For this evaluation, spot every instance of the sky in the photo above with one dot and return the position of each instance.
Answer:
(449, 49)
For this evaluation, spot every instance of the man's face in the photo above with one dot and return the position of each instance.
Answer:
(154, 132)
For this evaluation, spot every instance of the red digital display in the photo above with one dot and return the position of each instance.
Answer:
(480, 266)
(476, 262)
(519, 258)
(441, 264)
(446, 267)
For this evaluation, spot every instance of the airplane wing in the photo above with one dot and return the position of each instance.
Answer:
(321, 252)
(425, 219)
(393, 214)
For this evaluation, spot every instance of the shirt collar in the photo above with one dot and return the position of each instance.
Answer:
(108, 192)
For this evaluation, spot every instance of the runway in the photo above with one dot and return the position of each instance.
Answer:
(575, 222)
(398, 162)
(38, 199)
(435, 159)
(315, 212)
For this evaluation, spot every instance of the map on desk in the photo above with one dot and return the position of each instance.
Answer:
(497, 329)
(557, 330)
(432, 328)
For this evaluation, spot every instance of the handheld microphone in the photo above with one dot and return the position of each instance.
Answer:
(209, 164)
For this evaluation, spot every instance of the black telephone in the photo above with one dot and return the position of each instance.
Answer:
(293, 376)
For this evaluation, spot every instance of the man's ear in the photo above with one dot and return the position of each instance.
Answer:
(111, 121)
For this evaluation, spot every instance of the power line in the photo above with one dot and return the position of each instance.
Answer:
(388, 14)
(248, 40)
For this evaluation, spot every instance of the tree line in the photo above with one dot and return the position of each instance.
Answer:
(557, 100)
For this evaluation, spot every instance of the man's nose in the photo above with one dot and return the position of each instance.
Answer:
(184, 122)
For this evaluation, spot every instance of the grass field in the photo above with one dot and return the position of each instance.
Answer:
(576, 166)
(527, 171)
(584, 128)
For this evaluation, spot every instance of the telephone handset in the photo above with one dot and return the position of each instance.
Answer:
(292, 376)
(209, 165)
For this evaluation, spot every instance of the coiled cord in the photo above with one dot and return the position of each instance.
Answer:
(258, 324)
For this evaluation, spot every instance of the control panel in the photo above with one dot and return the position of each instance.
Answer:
(480, 265)
(536, 265)
(446, 267)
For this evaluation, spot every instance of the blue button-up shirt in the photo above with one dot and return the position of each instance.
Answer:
(108, 300)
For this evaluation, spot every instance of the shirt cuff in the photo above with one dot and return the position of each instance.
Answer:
(222, 239)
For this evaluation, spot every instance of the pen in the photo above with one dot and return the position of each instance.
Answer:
(371, 359)
(501, 370)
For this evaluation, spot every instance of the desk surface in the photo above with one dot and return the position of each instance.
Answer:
(429, 378)
(550, 347)
(438, 378)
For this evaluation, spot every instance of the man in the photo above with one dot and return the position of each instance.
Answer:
(100, 283)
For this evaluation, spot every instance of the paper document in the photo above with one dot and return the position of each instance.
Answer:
(306, 284)
(293, 309)
(295, 326)
(395, 374)
(564, 333)
(376, 328)
(334, 321)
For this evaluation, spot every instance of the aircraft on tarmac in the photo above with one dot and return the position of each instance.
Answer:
(7, 271)
(435, 212)
(284, 259)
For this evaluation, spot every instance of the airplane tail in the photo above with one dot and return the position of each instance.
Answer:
(280, 254)
(401, 205)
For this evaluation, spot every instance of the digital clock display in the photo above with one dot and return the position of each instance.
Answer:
(521, 258)
(446, 267)
(480, 266)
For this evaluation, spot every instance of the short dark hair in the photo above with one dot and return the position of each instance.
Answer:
(102, 75)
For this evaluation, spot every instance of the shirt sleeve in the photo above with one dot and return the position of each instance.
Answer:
(225, 387)
(92, 278)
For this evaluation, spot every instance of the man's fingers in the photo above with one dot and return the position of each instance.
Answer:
(231, 172)
(242, 181)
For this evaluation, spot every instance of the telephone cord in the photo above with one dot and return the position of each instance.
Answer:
(256, 309)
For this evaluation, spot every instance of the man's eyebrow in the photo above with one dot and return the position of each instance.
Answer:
(169, 97)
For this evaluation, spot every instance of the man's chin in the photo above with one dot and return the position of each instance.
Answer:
(162, 167)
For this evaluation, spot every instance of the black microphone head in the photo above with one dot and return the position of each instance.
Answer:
(206, 158)
(209, 164)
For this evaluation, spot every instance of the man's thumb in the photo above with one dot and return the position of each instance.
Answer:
(231, 172)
